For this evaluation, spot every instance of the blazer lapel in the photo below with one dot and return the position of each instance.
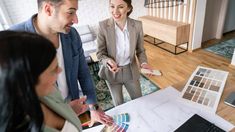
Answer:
(112, 39)
(67, 53)
(55, 102)
(132, 32)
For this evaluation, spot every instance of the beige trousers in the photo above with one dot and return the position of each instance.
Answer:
(124, 77)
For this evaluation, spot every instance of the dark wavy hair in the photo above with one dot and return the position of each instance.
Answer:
(56, 3)
(23, 57)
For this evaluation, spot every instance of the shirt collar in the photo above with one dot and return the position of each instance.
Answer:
(124, 29)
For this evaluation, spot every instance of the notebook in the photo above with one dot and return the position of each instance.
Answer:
(230, 100)
(198, 124)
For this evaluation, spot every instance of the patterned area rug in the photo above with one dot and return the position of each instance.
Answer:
(224, 49)
(103, 95)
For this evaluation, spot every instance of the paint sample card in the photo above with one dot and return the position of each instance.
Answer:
(121, 123)
(204, 88)
(122, 127)
(121, 118)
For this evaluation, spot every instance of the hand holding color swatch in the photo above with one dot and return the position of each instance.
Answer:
(121, 123)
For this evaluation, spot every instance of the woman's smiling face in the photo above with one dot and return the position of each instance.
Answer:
(118, 10)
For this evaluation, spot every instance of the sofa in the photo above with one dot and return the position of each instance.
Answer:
(88, 41)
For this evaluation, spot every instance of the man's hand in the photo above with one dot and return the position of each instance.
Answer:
(100, 116)
(78, 105)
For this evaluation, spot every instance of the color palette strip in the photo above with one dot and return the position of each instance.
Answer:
(121, 118)
(120, 127)
(205, 87)
(121, 123)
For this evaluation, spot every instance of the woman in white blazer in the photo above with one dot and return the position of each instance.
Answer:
(120, 43)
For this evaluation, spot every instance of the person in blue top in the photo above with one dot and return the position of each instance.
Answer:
(54, 21)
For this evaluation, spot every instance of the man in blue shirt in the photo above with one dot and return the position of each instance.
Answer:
(54, 21)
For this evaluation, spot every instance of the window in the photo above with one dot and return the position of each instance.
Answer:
(2, 25)
(4, 20)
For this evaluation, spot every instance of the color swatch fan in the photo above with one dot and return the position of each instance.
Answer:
(121, 123)
(204, 88)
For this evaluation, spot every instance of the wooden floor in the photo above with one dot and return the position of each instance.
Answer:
(178, 68)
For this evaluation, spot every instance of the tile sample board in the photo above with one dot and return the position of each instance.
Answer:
(204, 88)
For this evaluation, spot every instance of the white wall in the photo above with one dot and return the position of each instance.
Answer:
(90, 11)
(219, 18)
(233, 59)
(229, 24)
(198, 24)
(5, 21)
(211, 19)
(20, 10)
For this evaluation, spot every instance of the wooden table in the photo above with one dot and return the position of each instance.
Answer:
(225, 111)
(173, 32)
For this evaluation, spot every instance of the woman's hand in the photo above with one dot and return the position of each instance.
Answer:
(112, 65)
(78, 105)
(51, 118)
(146, 66)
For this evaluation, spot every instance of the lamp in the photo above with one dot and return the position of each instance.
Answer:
(162, 3)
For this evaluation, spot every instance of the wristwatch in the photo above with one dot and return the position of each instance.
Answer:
(94, 107)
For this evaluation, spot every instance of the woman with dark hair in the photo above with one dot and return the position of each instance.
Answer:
(28, 71)
(23, 57)
(120, 41)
